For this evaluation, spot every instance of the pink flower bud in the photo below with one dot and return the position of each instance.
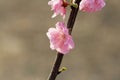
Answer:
(91, 5)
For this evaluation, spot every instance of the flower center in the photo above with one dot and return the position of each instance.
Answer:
(65, 4)
(62, 36)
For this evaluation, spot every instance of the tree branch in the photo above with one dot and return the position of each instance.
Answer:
(70, 24)
(72, 17)
(56, 66)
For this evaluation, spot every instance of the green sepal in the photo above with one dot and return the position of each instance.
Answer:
(74, 5)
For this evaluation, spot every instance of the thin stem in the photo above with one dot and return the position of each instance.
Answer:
(70, 24)
(72, 17)
(56, 66)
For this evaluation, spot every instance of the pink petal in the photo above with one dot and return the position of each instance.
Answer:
(60, 39)
(91, 5)
(57, 7)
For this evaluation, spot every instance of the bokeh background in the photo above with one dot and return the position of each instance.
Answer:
(24, 47)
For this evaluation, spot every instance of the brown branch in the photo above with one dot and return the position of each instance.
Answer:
(70, 24)
(56, 66)
(72, 17)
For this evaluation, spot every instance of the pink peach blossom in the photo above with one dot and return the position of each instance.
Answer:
(91, 5)
(58, 6)
(60, 39)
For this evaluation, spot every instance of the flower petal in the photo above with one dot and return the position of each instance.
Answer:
(60, 39)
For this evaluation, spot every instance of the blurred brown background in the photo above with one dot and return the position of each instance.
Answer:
(24, 47)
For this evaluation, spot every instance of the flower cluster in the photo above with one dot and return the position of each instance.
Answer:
(59, 6)
(60, 39)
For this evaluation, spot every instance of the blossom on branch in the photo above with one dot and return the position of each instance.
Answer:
(60, 39)
(59, 7)
(91, 5)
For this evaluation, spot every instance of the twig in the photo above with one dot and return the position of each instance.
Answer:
(56, 66)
